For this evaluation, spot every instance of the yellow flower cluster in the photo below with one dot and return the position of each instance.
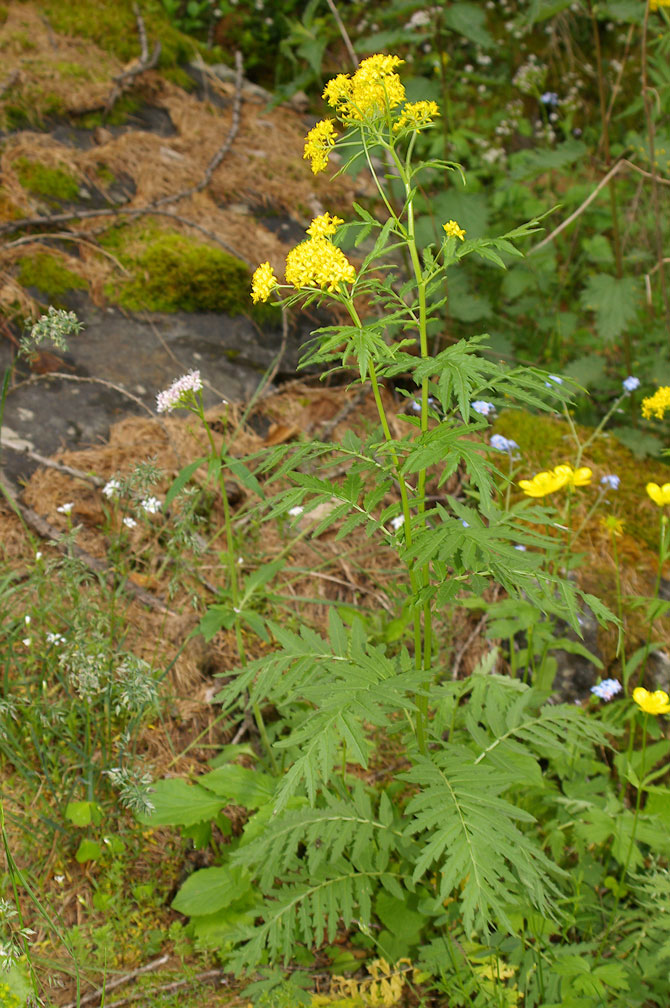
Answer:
(655, 703)
(659, 494)
(655, 4)
(324, 225)
(318, 263)
(318, 144)
(373, 89)
(416, 115)
(544, 483)
(263, 282)
(657, 404)
(452, 230)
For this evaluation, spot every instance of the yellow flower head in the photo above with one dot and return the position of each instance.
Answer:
(373, 89)
(659, 494)
(655, 703)
(548, 482)
(318, 263)
(263, 282)
(574, 477)
(452, 230)
(416, 115)
(655, 4)
(541, 484)
(324, 225)
(318, 143)
(657, 404)
(612, 524)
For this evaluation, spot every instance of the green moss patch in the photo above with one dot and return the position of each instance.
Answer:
(176, 273)
(48, 274)
(50, 183)
(112, 25)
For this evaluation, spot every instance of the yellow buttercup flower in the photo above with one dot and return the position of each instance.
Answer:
(654, 703)
(541, 484)
(452, 230)
(548, 482)
(263, 282)
(416, 115)
(657, 404)
(373, 89)
(318, 263)
(659, 494)
(574, 477)
(318, 143)
(324, 225)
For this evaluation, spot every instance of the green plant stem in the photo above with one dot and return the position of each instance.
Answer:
(233, 577)
(626, 863)
(662, 557)
(614, 209)
(404, 172)
(619, 608)
(651, 134)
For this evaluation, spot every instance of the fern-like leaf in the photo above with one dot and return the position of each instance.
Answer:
(469, 833)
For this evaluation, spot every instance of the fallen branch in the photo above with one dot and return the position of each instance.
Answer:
(150, 208)
(580, 209)
(99, 994)
(22, 449)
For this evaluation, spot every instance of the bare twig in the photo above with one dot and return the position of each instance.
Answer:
(234, 126)
(142, 32)
(175, 985)
(225, 146)
(124, 79)
(150, 208)
(343, 32)
(641, 171)
(97, 995)
(87, 378)
(580, 209)
(651, 133)
(66, 236)
(22, 449)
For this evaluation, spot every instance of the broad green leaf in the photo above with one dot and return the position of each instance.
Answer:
(615, 302)
(211, 889)
(88, 850)
(178, 803)
(240, 786)
(83, 813)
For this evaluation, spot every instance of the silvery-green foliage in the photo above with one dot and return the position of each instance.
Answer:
(54, 327)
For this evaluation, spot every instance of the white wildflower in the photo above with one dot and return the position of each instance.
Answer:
(175, 395)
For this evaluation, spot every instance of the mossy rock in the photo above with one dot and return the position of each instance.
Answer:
(48, 274)
(53, 184)
(176, 273)
(112, 25)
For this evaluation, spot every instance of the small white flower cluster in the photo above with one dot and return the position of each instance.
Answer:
(55, 638)
(151, 505)
(111, 487)
(65, 508)
(530, 76)
(175, 395)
